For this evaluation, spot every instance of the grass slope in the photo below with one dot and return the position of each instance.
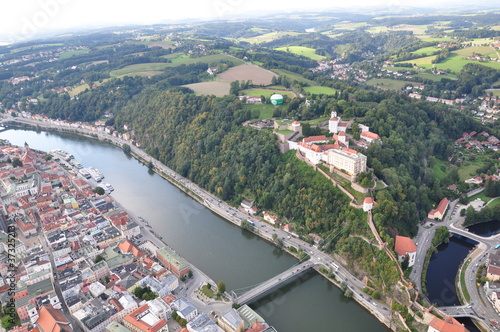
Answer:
(294, 76)
(302, 50)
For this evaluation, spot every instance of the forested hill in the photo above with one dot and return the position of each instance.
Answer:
(202, 138)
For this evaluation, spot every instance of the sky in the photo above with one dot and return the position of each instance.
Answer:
(29, 19)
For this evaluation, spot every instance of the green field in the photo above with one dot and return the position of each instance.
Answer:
(483, 50)
(267, 37)
(301, 50)
(389, 83)
(265, 110)
(427, 50)
(76, 90)
(437, 78)
(468, 171)
(284, 132)
(320, 90)
(69, 54)
(481, 196)
(348, 26)
(293, 76)
(317, 120)
(148, 69)
(396, 68)
(425, 62)
(139, 69)
(266, 93)
(484, 41)
(495, 203)
(433, 39)
(377, 29)
(454, 62)
(439, 169)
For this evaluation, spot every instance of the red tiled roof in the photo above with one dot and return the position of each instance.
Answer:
(52, 320)
(370, 135)
(368, 200)
(443, 205)
(404, 245)
(495, 270)
(448, 325)
(314, 139)
(142, 325)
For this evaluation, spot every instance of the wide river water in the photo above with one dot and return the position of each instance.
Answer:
(219, 248)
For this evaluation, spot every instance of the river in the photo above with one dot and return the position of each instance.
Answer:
(441, 273)
(219, 248)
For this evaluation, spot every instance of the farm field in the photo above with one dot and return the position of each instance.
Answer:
(76, 90)
(293, 76)
(208, 59)
(348, 26)
(454, 62)
(423, 62)
(210, 88)
(432, 77)
(148, 69)
(389, 83)
(434, 39)
(396, 68)
(69, 54)
(247, 72)
(483, 50)
(484, 41)
(267, 93)
(139, 69)
(301, 50)
(270, 36)
(162, 44)
(320, 90)
(426, 50)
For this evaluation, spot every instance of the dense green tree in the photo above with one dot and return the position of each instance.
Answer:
(221, 286)
(99, 258)
(16, 162)
(99, 190)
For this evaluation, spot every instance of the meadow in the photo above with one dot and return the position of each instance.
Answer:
(389, 83)
(320, 90)
(302, 50)
(294, 76)
(69, 54)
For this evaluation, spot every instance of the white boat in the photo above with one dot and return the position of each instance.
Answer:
(107, 187)
(76, 163)
(95, 174)
(84, 173)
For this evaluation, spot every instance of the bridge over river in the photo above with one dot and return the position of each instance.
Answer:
(247, 294)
